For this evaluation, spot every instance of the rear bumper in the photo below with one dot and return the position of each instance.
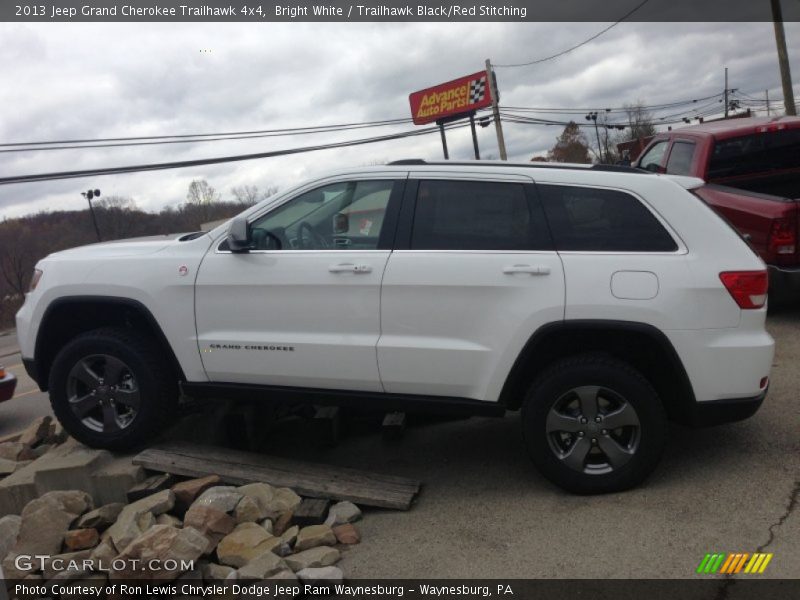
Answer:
(717, 412)
(7, 386)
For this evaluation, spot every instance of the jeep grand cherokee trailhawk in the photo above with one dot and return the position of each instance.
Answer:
(600, 301)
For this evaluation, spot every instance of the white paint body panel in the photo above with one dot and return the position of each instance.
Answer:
(435, 323)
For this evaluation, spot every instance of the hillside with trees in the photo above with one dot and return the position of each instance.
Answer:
(26, 240)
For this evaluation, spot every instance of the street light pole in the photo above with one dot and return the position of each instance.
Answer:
(592, 116)
(89, 195)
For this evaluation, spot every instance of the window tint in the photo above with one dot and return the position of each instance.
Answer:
(592, 219)
(344, 215)
(654, 156)
(758, 153)
(472, 215)
(680, 158)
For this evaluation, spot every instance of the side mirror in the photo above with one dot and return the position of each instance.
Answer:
(239, 235)
(341, 223)
(655, 168)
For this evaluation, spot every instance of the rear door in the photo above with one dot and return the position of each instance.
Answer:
(473, 274)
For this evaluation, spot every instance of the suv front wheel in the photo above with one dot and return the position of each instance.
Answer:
(593, 424)
(110, 388)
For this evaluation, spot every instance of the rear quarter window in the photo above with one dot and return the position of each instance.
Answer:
(600, 220)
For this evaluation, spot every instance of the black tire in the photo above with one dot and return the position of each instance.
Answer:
(139, 372)
(557, 432)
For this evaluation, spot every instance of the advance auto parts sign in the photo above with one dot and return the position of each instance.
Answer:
(455, 97)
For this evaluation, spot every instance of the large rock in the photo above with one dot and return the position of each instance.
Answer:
(244, 543)
(9, 529)
(161, 542)
(313, 536)
(7, 467)
(137, 518)
(262, 566)
(321, 575)
(321, 556)
(272, 501)
(347, 534)
(187, 492)
(36, 432)
(100, 518)
(222, 497)
(209, 521)
(111, 482)
(16, 451)
(81, 539)
(44, 521)
(248, 511)
(341, 513)
(72, 471)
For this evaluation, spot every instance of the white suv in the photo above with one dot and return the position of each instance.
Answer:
(599, 300)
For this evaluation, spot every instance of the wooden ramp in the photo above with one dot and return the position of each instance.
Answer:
(307, 479)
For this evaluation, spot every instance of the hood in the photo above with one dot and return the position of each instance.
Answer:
(129, 247)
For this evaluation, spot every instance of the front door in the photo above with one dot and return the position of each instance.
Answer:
(302, 308)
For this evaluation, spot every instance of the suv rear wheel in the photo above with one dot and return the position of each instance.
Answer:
(110, 388)
(593, 424)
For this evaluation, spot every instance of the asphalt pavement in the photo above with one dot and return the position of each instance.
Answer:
(484, 511)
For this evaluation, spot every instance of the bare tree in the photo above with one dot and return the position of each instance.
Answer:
(251, 194)
(17, 256)
(640, 122)
(201, 192)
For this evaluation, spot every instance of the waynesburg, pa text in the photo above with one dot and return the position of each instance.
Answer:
(261, 589)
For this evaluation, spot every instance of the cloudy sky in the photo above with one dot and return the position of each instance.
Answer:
(66, 81)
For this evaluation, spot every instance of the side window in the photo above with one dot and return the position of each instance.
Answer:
(344, 215)
(590, 219)
(654, 156)
(473, 215)
(680, 158)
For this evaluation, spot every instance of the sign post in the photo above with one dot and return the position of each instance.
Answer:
(501, 140)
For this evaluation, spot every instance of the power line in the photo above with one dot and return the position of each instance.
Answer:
(287, 130)
(583, 43)
(217, 160)
(158, 142)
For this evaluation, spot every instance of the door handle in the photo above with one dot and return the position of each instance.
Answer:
(349, 268)
(529, 269)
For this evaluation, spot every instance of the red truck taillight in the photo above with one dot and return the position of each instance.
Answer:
(747, 288)
(783, 237)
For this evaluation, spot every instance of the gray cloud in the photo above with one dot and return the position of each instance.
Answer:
(70, 80)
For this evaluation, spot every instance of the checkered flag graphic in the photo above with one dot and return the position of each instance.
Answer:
(477, 90)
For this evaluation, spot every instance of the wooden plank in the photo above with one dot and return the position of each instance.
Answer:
(312, 511)
(308, 479)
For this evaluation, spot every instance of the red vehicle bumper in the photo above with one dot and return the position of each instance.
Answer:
(7, 386)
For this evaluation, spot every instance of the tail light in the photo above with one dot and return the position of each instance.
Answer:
(37, 275)
(747, 288)
(783, 237)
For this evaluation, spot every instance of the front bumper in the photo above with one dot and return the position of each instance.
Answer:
(717, 412)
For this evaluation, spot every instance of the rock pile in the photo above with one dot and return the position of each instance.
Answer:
(198, 530)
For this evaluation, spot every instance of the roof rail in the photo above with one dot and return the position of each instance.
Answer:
(406, 162)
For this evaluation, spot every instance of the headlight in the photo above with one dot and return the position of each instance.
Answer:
(37, 275)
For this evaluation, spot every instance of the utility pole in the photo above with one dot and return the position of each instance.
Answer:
(767, 92)
(783, 58)
(592, 116)
(89, 195)
(490, 80)
(726, 92)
